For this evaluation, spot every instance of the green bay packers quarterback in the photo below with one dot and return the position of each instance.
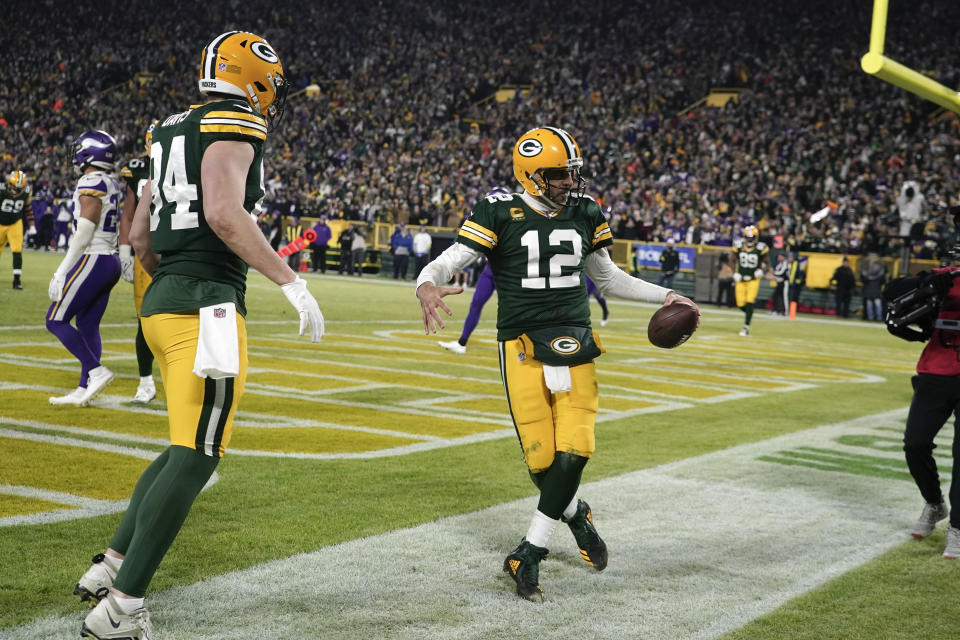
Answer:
(539, 244)
(194, 231)
(750, 258)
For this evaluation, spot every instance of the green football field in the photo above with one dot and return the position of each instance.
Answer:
(747, 487)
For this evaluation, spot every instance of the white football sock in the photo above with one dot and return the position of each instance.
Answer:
(113, 563)
(146, 380)
(128, 605)
(571, 509)
(541, 528)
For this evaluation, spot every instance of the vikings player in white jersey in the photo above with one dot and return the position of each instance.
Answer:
(80, 287)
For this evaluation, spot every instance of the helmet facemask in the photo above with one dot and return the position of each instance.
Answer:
(274, 112)
(556, 195)
(16, 183)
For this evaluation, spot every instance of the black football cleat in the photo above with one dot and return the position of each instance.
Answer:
(592, 548)
(523, 565)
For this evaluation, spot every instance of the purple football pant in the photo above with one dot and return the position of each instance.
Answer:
(484, 289)
(595, 292)
(85, 294)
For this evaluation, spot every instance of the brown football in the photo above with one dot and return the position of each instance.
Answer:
(672, 325)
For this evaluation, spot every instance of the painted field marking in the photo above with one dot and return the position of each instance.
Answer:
(698, 548)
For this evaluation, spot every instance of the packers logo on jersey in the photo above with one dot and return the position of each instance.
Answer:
(565, 345)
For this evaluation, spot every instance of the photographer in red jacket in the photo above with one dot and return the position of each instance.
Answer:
(931, 301)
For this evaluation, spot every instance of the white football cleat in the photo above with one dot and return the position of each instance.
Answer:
(97, 379)
(454, 346)
(745, 331)
(146, 392)
(108, 621)
(71, 398)
(604, 322)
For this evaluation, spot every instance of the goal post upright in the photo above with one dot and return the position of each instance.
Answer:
(891, 71)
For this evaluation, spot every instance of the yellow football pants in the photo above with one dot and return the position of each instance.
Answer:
(13, 233)
(747, 291)
(549, 422)
(141, 280)
(200, 410)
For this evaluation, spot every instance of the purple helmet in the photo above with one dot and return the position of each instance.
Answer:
(97, 148)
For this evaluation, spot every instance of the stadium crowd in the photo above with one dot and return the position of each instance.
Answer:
(393, 116)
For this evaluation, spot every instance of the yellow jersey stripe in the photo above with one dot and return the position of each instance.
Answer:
(483, 232)
(602, 233)
(238, 115)
(233, 128)
(237, 121)
(96, 193)
(472, 235)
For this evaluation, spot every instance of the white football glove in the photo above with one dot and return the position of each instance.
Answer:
(758, 273)
(32, 231)
(306, 305)
(55, 290)
(737, 277)
(126, 263)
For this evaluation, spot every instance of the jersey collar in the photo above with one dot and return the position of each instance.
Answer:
(539, 206)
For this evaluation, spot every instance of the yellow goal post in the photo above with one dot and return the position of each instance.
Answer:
(882, 67)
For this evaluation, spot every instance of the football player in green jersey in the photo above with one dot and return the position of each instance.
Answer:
(750, 258)
(540, 243)
(14, 209)
(196, 234)
(135, 174)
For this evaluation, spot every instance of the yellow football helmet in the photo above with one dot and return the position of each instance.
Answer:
(239, 63)
(542, 149)
(148, 136)
(750, 236)
(16, 183)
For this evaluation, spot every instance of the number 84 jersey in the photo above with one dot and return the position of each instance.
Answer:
(110, 191)
(537, 260)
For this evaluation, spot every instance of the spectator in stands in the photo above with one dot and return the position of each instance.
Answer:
(401, 246)
(63, 227)
(345, 243)
(275, 230)
(669, 264)
(843, 283)
(873, 275)
(707, 173)
(422, 242)
(318, 247)
(781, 270)
(725, 282)
(796, 278)
(910, 207)
(358, 249)
(293, 230)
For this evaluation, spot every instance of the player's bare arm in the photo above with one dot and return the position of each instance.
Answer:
(140, 233)
(223, 174)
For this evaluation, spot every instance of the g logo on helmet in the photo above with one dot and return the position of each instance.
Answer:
(529, 148)
(565, 345)
(263, 51)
